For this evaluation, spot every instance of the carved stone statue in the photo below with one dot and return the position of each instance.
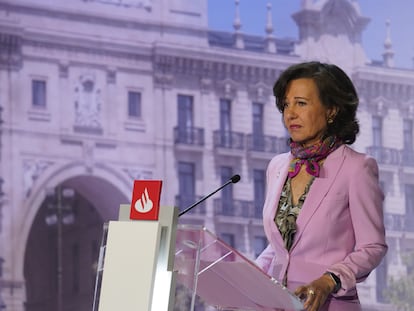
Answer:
(87, 103)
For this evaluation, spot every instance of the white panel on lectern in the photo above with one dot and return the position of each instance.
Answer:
(129, 265)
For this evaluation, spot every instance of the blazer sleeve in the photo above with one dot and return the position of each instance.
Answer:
(366, 208)
(265, 259)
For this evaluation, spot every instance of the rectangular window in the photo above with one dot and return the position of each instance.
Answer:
(257, 116)
(408, 134)
(39, 93)
(185, 119)
(134, 104)
(226, 173)
(259, 244)
(185, 111)
(382, 279)
(225, 123)
(393, 251)
(377, 131)
(257, 127)
(409, 200)
(228, 238)
(259, 191)
(186, 184)
(225, 115)
(409, 207)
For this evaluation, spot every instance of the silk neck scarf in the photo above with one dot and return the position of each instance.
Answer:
(311, 156)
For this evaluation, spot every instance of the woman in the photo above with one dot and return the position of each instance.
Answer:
(323, 210)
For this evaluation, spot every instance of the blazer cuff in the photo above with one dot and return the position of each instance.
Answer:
(348, 280)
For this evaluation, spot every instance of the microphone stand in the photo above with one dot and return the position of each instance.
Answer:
(233, 180)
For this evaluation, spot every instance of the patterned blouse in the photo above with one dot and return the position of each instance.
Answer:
(287, 213)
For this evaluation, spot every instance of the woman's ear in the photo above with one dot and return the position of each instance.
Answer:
(332, 112)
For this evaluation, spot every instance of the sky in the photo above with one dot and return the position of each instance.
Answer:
(400, 13)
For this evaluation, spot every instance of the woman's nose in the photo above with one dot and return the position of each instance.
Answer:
(290, 113)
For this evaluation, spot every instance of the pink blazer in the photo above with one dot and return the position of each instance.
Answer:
(339, 229)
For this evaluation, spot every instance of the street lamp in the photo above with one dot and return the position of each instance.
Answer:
(2, 304)
(1, 202)
(59, 213)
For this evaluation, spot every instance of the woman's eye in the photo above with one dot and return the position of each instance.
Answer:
(301, 103)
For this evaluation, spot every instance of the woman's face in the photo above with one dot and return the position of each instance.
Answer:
(304, 115)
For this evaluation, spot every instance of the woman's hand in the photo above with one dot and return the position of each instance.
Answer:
(316, 292)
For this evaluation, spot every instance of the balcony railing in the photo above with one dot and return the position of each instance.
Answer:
(397, 222)
(184, 201)
(385, 155)
(228, 139)
(189, 136)
(234, 208)
(265, 143)
(407, 157)
(257, 211)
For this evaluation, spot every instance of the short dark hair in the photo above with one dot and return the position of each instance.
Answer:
(335, 90)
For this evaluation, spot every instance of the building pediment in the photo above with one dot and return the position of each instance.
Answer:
(407, 109)
(259, 92)
(379, 105)
(227, 88)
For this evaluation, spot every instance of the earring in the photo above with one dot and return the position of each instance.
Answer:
(330, 121)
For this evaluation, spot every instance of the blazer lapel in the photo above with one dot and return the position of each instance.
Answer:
(319, 189)
(275, 186)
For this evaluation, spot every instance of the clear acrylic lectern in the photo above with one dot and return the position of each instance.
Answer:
(222, 277)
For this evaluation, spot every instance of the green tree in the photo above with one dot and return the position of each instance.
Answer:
(400, 291)
(183, 299)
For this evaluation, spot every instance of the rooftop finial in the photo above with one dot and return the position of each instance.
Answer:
(270, 39)
(239, 43)
(388, 54)
(237, 22)
(306, 4)
(269, 22)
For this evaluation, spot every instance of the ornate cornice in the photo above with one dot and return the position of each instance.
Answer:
(393, 92)
(136, 4)
(163, 80)
(90, 18)
(214, 73)
(40, 43)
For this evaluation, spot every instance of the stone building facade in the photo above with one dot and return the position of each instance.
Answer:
(97, 93)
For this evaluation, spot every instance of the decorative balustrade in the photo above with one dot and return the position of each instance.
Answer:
(407, 157)
(189, 136)
(229, 139)
(266, 143)
(385, 155)
(257, 210)
(184, 201)
(398, 222)
(234, 208)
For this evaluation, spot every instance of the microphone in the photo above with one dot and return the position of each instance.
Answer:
(232, 180)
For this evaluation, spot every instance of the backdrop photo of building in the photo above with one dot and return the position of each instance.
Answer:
(97, 93)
